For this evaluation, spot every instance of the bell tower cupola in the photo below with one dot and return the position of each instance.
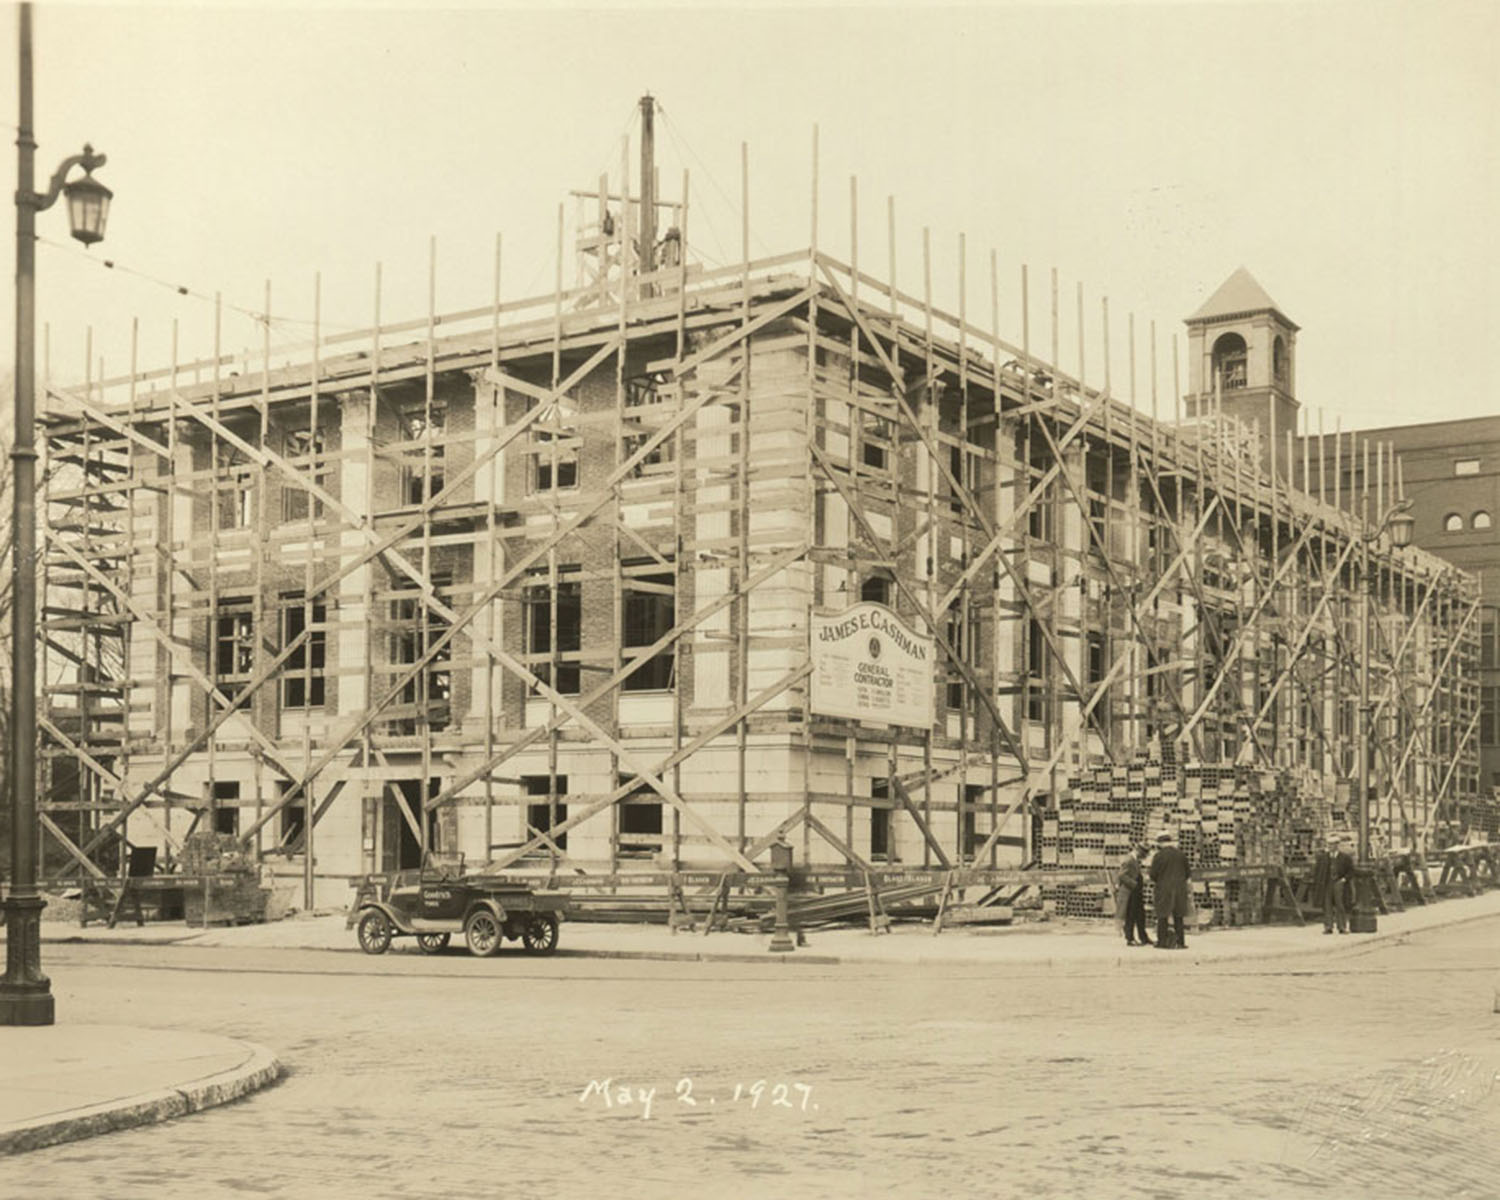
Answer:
(1242, 350)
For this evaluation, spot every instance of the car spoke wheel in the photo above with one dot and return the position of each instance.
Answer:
(374, 933)
(432, 943)
(540, 934)
(482, 932)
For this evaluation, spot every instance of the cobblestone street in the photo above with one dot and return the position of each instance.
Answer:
(1374, 1074)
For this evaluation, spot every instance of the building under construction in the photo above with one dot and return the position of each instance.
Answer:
(642, 575)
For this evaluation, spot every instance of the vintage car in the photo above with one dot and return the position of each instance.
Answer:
(432, 906)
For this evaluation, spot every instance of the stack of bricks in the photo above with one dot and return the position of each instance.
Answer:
(230, 890)
(1241, 816)
(1482, 822)
(1097, 819)
(1221, 815)
(206, 853)
(1314, 815)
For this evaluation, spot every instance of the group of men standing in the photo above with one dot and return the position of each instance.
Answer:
(1332, 889)
(1169, 875)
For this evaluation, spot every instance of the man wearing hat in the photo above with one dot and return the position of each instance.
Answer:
(1130, 899)
(1169, 872)
(1322, 880)
(1341, 885)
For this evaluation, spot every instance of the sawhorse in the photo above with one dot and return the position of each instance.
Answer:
(105, 899)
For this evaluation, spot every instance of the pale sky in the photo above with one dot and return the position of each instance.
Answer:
(1346, 154)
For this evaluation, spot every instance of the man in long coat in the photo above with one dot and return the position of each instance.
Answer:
(1322, 881)
(1169, 872)
(1341, 886)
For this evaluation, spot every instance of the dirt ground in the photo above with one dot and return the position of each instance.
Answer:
(1374, 1074)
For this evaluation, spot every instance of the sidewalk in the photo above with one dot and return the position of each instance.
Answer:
(1056, 943)
(59, 1083)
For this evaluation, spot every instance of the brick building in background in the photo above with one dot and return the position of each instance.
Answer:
(1451, 473)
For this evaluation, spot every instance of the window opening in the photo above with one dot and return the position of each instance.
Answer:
(226, 797)
(427, 424)
(539, 813)
(1231, 361)
(880, 820)
(234, 488)
(233, 653)
(546, 663)
(417, 628)
(302, 680)
(642, 392)
(639, 823)
(876, 589)
(304, 450)
(650, 611)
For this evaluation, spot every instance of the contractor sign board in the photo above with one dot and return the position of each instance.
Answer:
(869, 665)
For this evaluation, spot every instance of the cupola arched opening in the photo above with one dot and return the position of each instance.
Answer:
(1230, 361)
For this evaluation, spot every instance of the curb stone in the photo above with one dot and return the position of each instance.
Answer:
(260, 1069)
(83, 939)
(706, 956)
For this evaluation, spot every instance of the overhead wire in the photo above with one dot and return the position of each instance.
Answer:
(680, 140)
(297, 327)
(255, 315)
(683, 150)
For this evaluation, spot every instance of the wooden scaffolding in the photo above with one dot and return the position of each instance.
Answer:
(532, 582)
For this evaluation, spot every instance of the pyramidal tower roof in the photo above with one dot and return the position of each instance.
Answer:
(1239, 295)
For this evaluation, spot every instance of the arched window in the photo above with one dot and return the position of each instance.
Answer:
(1279, 366)
(1453, 523)
(1481, 520)
(1230, 361)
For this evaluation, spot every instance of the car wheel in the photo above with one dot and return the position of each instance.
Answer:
(482, 932)
(540, 934)
(374, 933)
(432, 943)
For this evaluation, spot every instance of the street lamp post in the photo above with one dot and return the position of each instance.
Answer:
(25, 992)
